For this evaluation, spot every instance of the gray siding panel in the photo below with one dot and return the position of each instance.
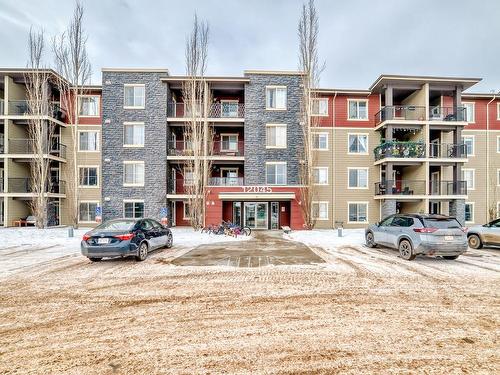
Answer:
(153, 154)
(256, 118)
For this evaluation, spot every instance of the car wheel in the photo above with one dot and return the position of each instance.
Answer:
(170, 241)
(406, 250)
(475, 241)
(370, 240)
(142, 253)
(95, 259)
(450, 257)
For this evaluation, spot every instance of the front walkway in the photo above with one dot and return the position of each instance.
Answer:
(266, 248)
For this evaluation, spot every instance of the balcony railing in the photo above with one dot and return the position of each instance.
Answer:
(2, 106)
(400, 112)
(25, 146)
(397, 149)
(400, 187)
(439, 113)
(417, 187)
(226, 181)
(223, 148)
(1, 185)
(448, 187)
(23, 185)
(447, 150)
(215, 110)
(20, 107)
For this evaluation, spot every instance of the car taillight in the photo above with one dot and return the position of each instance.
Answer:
(85, 237)
(125, 237)
(425, 230)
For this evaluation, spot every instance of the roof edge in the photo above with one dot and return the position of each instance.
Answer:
(136, 70)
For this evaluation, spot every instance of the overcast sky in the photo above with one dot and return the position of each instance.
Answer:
(359, 39)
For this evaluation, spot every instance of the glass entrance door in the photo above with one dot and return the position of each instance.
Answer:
(256, 215)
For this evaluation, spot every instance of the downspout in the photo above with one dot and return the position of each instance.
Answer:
(488, 157)
(331, 142)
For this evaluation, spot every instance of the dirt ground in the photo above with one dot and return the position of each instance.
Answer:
(363, 311)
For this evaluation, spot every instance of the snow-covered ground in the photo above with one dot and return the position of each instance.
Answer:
(26, 247)
(328, 238)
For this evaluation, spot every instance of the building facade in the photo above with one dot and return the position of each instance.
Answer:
(405, 144)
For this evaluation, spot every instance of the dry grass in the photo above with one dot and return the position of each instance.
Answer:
(123, 317)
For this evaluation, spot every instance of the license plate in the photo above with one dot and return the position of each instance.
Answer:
(448, 238)
(103, 240)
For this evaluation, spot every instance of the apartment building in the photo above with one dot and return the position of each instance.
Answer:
(405, 144)
(16, 152)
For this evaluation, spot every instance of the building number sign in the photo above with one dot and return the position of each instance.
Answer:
(257, 189)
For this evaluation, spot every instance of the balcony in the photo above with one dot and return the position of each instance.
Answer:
(23, 185)
(21, 108)
(226, 181)
(400, 187)
(2, 106)
(418, 187)
(400, 112)
(220, 148)
(226, 110)
(448, 188)
(398, 149)
(439, 113)
(24, 146)
(448, 150)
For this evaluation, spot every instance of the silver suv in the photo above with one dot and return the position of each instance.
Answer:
(487, 235)
(414, 234)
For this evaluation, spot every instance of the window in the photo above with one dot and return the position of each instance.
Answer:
(88, 141)
(320, 141)
(133, 134)
(87, 211)
(276, 97)
(357, 109)
(88, 176)
(402, 221)
(133, 209)
(276, 173)
(468, 176)
(469, 112)
(358, 143)
(358, 212)
(498, 144)
(276, 136)
(229, 142)
(134, 96)
(186, 211)
(133, 173)
(188, 177)
(469, 144)
(320, 210)
(321, 175)
(319, 107)
(89, 106)
(469, 212)
(498, 177)
(498, 111)
(358, 178)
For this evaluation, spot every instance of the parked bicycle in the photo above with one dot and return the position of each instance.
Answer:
(227, 228)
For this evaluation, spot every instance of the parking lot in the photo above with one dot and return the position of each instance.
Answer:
(345, 309)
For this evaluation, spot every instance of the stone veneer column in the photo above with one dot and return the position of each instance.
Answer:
(388, 207)
(457, 209)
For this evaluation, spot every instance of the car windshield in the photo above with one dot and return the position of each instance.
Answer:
(442, 223)
(116, 225)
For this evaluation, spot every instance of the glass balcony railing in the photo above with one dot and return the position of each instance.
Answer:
(21, 108)
(438, 113)
(25, 146)
(447, 150)
(221, 148)
(226, 181)
(418, 187)
(400, 112)
(448, 187)
(215, 110)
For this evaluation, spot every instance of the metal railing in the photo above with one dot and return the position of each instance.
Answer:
(448, 187)
(447, 150)
(21, 107)
(400, 187)
(177, 186)
(19, 185)
(224, 148)
(397, 149)
(438, 113)
(215, 110)
(226, 181)
(58, 187)
(25, 146)
(1, 185)
(400, 112)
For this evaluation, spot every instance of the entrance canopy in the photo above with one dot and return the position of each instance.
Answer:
(239, 196)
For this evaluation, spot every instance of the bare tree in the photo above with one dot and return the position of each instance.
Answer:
(40, 130)
(72, 63)
(308, 31)
(493, 212)
(195, 91)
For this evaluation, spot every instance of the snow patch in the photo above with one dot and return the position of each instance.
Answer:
(328, 239)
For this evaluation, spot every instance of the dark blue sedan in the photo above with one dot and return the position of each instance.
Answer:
(125, 237)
